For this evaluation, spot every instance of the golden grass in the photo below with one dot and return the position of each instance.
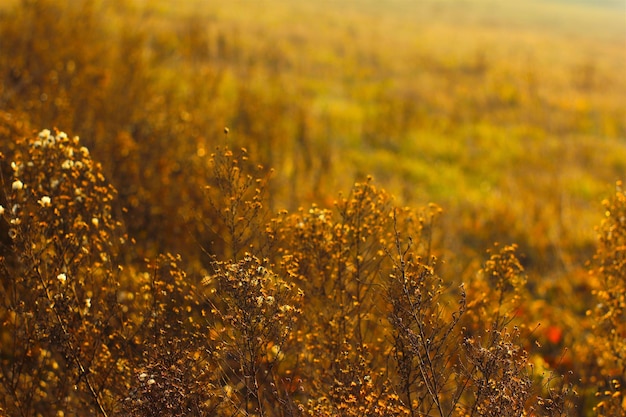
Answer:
(510, 116)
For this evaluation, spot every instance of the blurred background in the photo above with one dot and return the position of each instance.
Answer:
(511, 116)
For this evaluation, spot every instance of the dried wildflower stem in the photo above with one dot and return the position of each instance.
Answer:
(428, 349)
(83, 371)
(15, 372)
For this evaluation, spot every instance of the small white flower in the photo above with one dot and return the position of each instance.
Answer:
(1, 210)
(49, 142)
(143, 376)
(95, 221)
(67, 164)
(44, 134)
(45, 201)
(151, 381)
(84, 151)
(88, 302)
(37, 144)
(17, 185)
(61, 136)
(62, 278)
(269, 300)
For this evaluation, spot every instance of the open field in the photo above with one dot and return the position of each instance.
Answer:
(509, 117)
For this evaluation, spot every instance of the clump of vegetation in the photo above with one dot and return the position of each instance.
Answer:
(253, 318)
(346, 312)
(159, 267)
(608, 359)
(60, 278)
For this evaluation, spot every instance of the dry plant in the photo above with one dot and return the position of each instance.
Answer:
(384, 327)
(339, 257)
(494, 371)
(251, 315)
(168, 354)
(345, 314)
(426, 341)
(59, 280)
(609, 331)
(236, 195)
(335, 256)
(357, 389)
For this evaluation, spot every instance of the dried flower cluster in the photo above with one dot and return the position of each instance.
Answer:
(338, 311)
(346, 306)
(58, 281)
(609, 332)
